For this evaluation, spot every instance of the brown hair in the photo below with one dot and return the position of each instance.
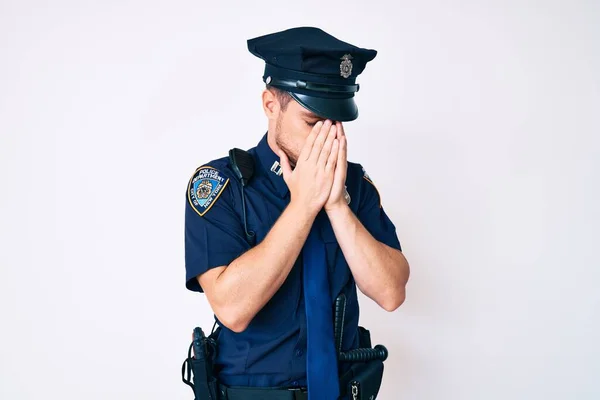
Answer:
(283, 97)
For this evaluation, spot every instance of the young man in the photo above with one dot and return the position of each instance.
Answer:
(272, 255)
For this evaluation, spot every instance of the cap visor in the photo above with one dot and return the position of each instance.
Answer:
(335, 109)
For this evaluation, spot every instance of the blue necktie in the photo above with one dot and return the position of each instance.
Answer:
(321, 355)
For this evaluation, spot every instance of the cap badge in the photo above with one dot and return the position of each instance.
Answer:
(346, 66)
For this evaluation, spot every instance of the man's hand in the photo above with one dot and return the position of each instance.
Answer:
(336, 197)
(274, 257)
(311, 181)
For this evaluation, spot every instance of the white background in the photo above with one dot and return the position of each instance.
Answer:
(479, 124)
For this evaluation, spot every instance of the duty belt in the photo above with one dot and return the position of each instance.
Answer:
(251, 393)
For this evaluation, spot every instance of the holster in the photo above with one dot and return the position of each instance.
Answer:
(199, 367)
(362, 381)
(364, 338)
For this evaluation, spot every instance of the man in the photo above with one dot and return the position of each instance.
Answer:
(272, 255)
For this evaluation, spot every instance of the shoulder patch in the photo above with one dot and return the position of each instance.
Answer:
(368, 179)
(205, 187)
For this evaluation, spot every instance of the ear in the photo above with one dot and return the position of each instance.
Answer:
(270, 104)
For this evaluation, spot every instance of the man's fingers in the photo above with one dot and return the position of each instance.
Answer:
(285, 166)
(324, 156)
(343, 153)
(333, 156)
(340, 128)
(320, 141)
(342, 158)
(310, 140)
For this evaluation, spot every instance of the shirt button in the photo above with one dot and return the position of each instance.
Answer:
(295, 383)
(299, 353)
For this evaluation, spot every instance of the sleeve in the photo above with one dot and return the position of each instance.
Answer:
(214, 233)
(372, 215)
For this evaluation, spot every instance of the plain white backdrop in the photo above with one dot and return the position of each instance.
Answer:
(479, 124)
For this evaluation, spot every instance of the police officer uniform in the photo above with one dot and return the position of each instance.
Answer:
(319, 71)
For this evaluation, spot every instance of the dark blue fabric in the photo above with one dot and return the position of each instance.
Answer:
(272, 350)
(321, 357)
(310, 54)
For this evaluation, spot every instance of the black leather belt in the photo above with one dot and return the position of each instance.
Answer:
(258, 393)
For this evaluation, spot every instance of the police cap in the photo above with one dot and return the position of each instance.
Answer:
(318, 70)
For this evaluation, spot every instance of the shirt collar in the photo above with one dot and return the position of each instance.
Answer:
(270, 164)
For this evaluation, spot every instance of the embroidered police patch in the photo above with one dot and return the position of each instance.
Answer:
(366, 176)
(204, 189)
(368, 179)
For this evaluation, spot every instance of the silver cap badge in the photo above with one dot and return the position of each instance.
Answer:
(346, 66)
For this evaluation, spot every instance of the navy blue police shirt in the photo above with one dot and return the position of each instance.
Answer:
(270, 352)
